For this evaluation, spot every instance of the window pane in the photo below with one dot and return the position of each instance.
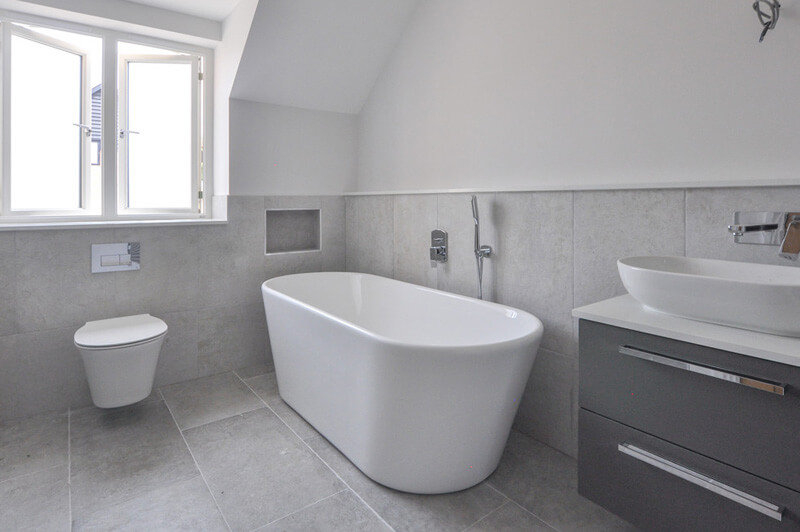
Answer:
(160, 152)
(45, 145)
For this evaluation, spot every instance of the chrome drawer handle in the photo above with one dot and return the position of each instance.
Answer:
(777, 389)
(732, 494)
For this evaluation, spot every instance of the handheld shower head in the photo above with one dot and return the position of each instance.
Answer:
(475, 210)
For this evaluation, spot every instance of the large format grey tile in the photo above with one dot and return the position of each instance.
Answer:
(613, 224)
(534, 261)
(68, 295)
(38, 502)
(232, 260)
(333, 234)
(342, 512)
(200, 401)
(185, 505)
(545, 482)
(548, 410)
(42, 372)
(8, 283)
(510, 517)
(709, 211)
(178, 358)
(122, 453)
(459, 273)
(32, 445)
(407, 511)
(258, 470)
(369, 230)
(255, 371)
(266, 386)
(231, 337)
(414, 219)
(168, 280)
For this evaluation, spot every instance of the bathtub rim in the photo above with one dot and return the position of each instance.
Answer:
(536, 332)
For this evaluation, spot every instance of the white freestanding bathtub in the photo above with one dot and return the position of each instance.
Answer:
(417, 387)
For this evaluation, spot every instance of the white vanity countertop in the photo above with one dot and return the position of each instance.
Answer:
(626, 312)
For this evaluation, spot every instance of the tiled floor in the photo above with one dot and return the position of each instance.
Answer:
(226, 453)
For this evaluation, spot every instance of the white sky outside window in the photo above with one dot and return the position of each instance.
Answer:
(45, 145)
(160, 152)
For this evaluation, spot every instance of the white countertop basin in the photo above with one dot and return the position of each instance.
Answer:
(756, 297)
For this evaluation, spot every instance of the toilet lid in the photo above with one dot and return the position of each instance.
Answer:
(119, 331)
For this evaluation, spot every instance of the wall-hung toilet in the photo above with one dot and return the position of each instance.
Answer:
(120, 357)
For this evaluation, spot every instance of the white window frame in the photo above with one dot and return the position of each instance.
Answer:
(9, 30)
(125, 132)
(112, 211)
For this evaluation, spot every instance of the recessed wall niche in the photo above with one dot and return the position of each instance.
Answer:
(292, 230)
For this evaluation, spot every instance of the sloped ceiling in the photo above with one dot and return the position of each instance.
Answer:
(319, 54)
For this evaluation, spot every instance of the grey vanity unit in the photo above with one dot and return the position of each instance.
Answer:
(687, 426)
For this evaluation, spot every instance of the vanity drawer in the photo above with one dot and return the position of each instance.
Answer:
(642, 381)
(659, 486)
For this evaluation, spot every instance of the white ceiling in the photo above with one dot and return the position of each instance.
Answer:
(319, 54)
(211, 9)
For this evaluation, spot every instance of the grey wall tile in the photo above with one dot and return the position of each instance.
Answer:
(414, 219)
(55, 286)
(459, 274)
(709, 211)
(534, 262)
(369, 226)
(547, 410)
(168, 280)
(610, 225)
(42, 372)
(178, 358)
(231, 337)
(333, 233)
(231, 267)
(8, 283)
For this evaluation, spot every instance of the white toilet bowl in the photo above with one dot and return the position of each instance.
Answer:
(120, 357)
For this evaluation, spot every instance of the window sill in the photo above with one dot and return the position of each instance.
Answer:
(85, 224)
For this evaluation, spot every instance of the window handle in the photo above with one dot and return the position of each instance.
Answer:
(87, 130)
(123, 132)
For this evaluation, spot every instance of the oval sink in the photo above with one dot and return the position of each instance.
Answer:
(758, 297)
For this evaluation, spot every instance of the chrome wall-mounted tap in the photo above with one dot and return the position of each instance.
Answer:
(768, 228)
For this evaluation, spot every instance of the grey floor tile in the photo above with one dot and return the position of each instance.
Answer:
(33, 444)
(37, 502)
(545, 482)
(510, 517)
(120, 453)
(201, 401)
(407, 511)
(342, 512)
(266, 386)
(185, 505)
(254, 371)
(258, 470)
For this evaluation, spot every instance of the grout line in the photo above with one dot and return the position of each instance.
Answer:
(343, 481)
(505, 503)
(300, 510)
(197, 465)
(522, 506)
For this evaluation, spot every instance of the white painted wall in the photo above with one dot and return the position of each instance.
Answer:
(279, 150)
(226, 63)
(528, 94)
